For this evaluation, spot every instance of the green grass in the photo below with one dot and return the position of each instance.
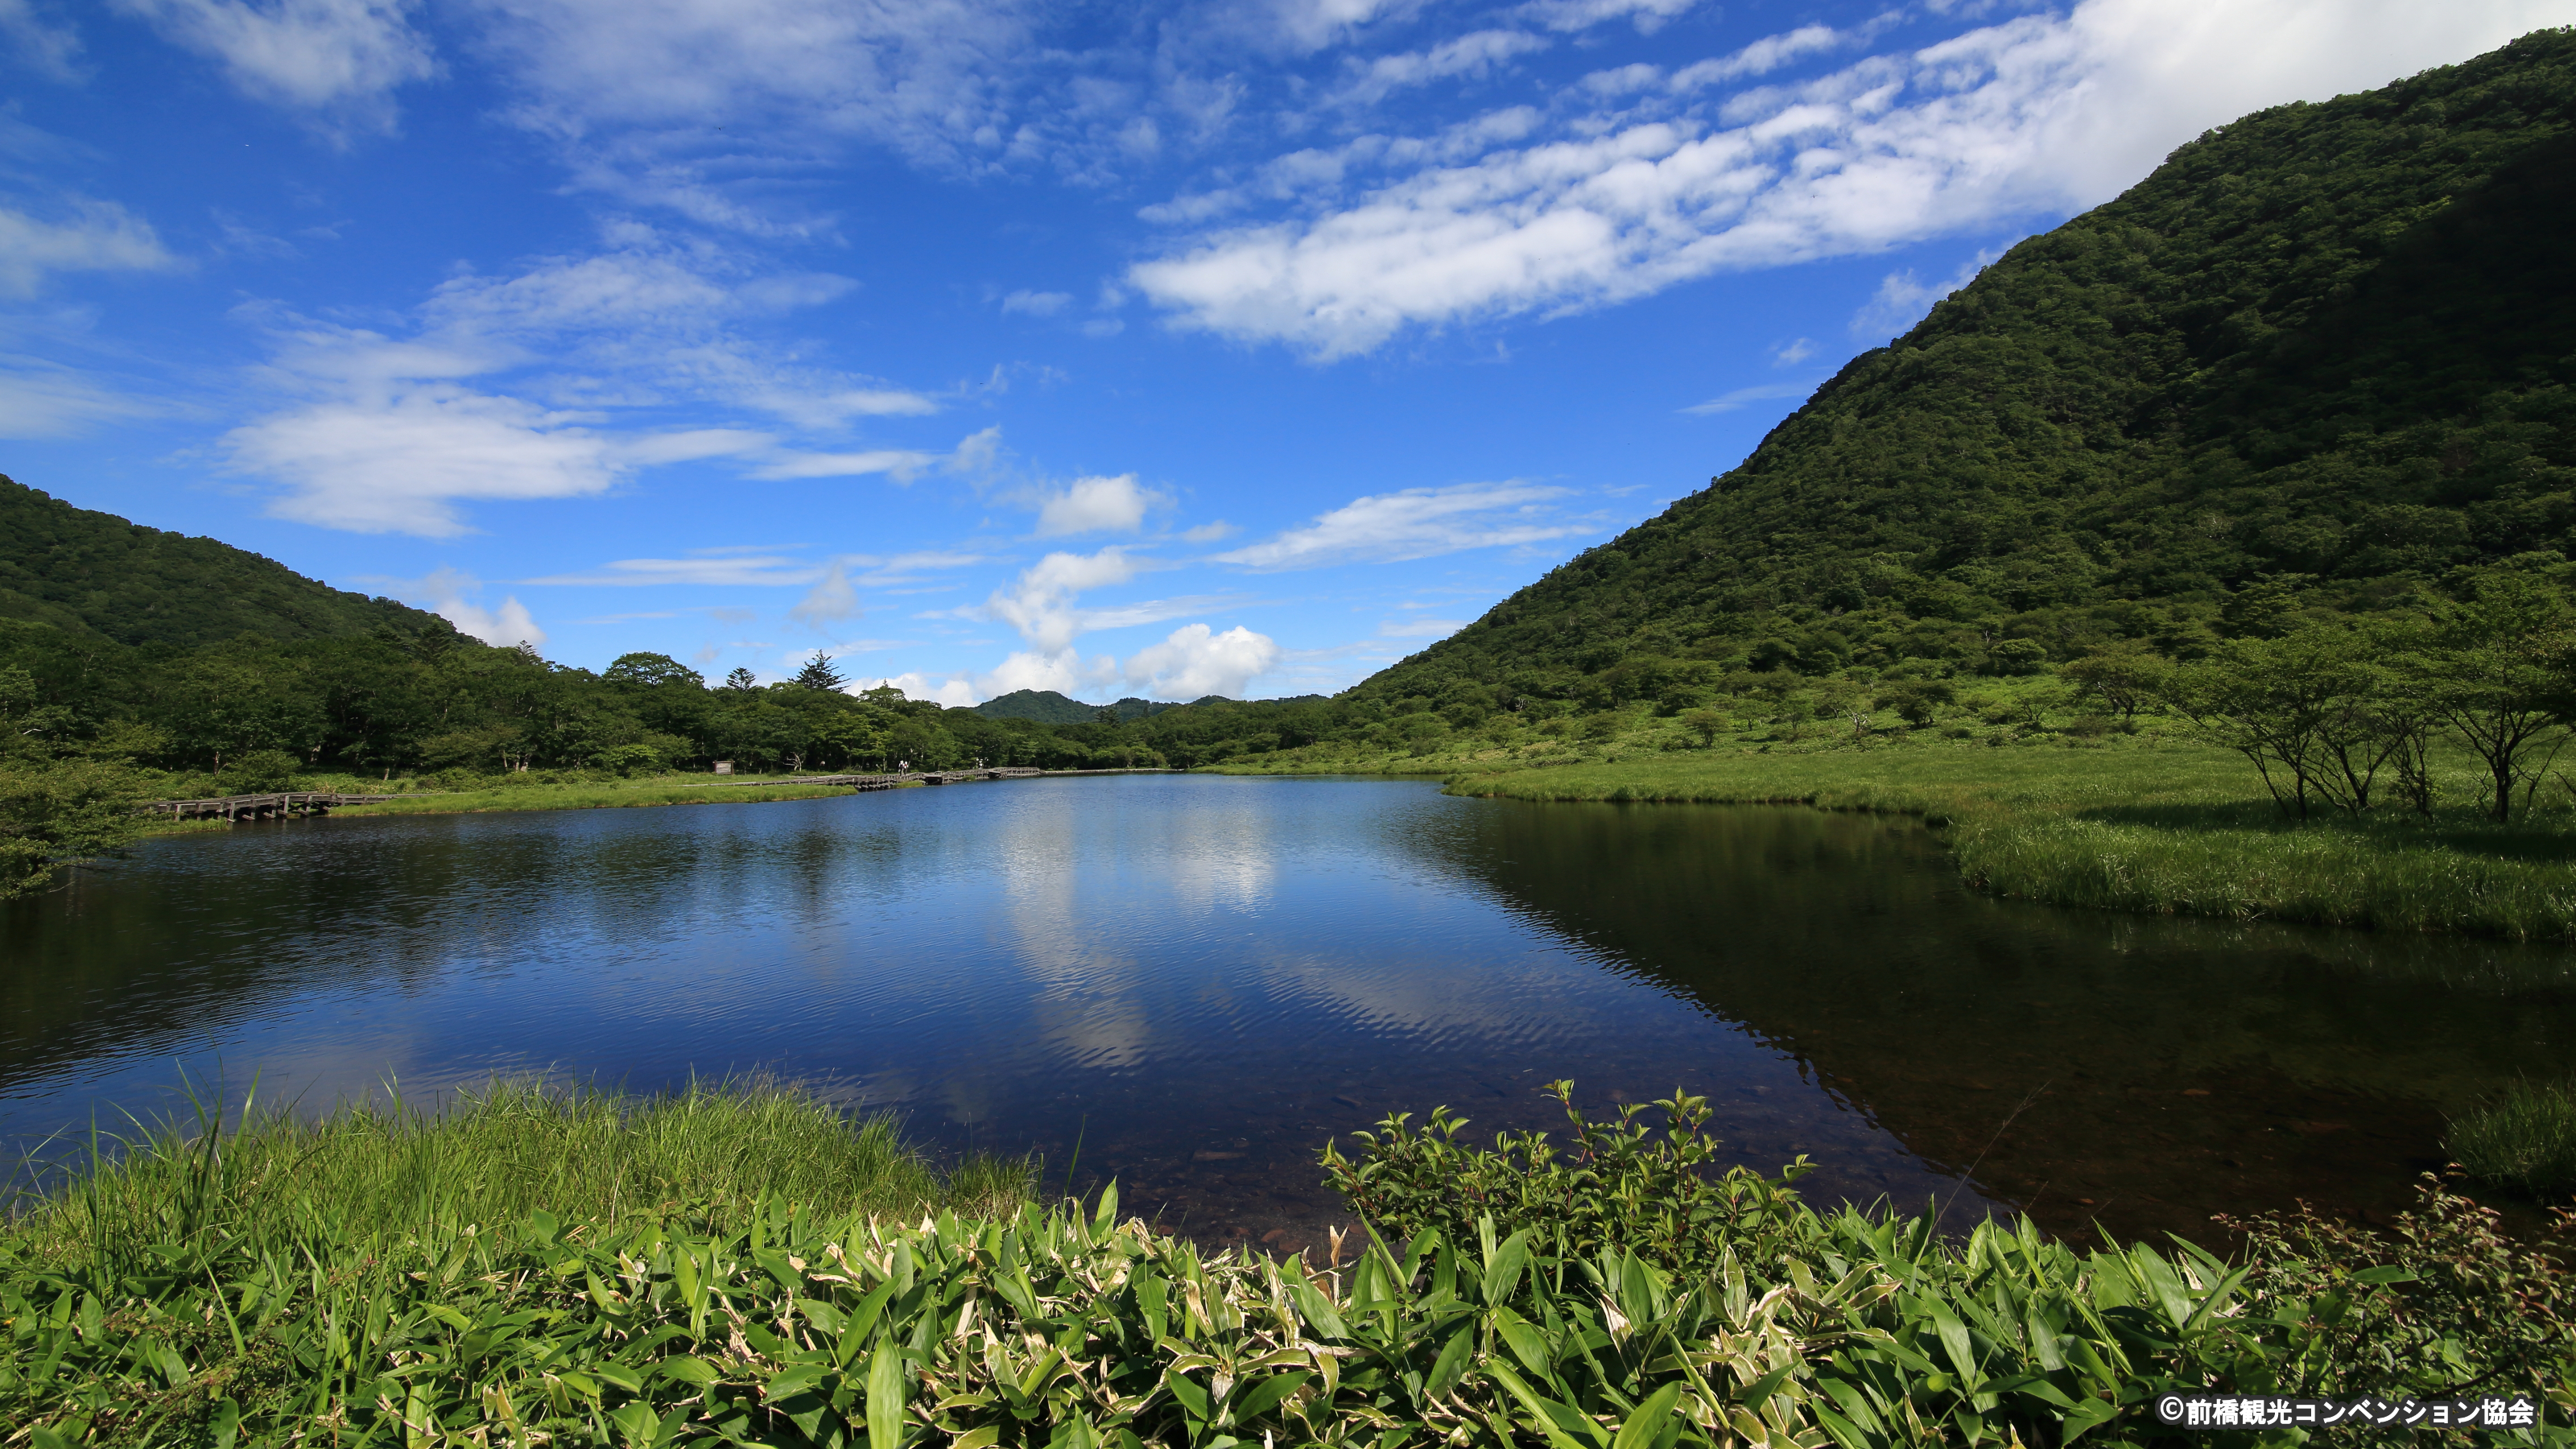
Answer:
(2526, 1140)
(381, 1172)
(592, 795)
(2129, 822)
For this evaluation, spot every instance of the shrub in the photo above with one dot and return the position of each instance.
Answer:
(260, 772)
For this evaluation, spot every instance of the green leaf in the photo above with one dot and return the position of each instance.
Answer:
(1646, 1422)
(1503, 1268)
(1451, 1365)
(885, 1398)
(1191, 1395)
(2389, 1273)
(690, 1369)
(1262, 1397)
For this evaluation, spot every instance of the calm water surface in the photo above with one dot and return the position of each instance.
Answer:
(1203, 978)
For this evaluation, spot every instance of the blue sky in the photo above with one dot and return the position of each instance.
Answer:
(1240, 347)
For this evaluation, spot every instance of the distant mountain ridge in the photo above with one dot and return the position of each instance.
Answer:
(2320, 352)
(86, 572)
(1048, 707)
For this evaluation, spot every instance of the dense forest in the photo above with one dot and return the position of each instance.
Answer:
(2295, 415)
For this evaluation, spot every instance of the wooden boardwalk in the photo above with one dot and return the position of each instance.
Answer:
(297, 804)
(288, 804)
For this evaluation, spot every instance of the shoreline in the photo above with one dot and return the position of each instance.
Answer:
(2169, 829)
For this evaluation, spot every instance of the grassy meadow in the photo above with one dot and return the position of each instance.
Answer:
(2041, 803)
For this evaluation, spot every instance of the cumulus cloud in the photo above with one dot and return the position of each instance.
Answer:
(952, 691)
(339, 59)
(1195, 661)
(446, 594)
(1062, 670)
(1415, 523)
(1037, 304)
(1040, 602)
(86, 236)
(1793, 352)
(1096, 505)
(2037, 115)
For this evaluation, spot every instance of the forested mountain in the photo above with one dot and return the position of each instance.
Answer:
(1048, 707)
(2319, 356)
(95, 573)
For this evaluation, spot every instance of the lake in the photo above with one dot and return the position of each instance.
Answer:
(1193, 981)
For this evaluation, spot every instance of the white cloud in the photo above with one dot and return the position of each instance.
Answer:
(1415, 523)
(1062, 670)
(1037, 304)
(1040, 602)
(398, 463)
(832, 600)
(41, 400)
(1195, 662)
(393, 432)
(1747, 396)
(2034, 116)
(1097, 505)
(42, 45)
(445, 594)
(633, 88)
(1209, 532)
(92, 236)
(902, 464)
(1902, 299)
(953, 692)
(1647, 15)
(1761, 57)
(341, 58)
(1473, 54)
(726, 568)
(1420, 628)
(1793, 352)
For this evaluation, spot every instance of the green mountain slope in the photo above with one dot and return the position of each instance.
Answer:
(95, 573)
(2319, 354)
(1048, 707)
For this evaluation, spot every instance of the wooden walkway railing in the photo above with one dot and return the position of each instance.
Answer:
(262, 807)
(295, 804)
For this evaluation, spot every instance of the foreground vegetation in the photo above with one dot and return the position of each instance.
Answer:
(1617, 1296)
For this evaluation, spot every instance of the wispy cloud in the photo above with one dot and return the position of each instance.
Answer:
(84, 235)
(757, 570)
(1417, 523)
(1744, 397)
(339, 61)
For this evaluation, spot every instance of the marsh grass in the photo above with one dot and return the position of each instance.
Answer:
(2176, 829)
(2525, 1140)
(188, 1189)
